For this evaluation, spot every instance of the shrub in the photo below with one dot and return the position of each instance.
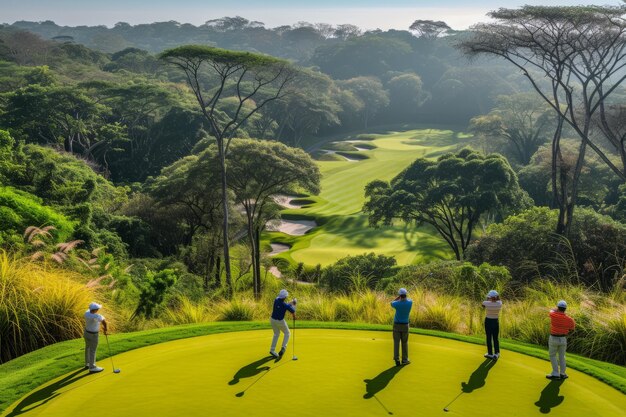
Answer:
(153, 291)
(370, 267)
(609, 339)
(437, 315)
(526, 244)
(237, 311)
(318, 307)
(19, 210)
(454, 278)
(185, 311)
(38, 306)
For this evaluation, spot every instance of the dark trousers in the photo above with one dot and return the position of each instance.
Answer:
(400, 335)
(492, 328)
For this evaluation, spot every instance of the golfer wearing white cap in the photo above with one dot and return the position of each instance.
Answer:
(560, 325)
(278, 321)
(492, 306)
(402, 305)
(92, 330)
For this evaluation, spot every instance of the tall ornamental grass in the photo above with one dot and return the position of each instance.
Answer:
(600, 317)
(39, 305)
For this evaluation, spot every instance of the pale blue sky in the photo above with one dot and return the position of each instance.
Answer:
(367, 14)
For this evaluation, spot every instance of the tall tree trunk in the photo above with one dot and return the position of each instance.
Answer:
(229, 282)
(218, 270)
(208, 272)
(564, 187)
(557, 177)
(571, 203)
(252, 242)
(257, 257)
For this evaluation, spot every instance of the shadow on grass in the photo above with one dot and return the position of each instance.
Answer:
(355, 229)
(380, 381)
(252, 369)
(478, 377)
(550, 397)
(266, 371)
(476, 380)
(45, 394)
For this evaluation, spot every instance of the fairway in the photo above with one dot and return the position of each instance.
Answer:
(338, 372)
(344, 228)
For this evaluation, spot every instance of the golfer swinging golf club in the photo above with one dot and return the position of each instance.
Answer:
(92, 330)
(560, 325)
(402, 305)
(492, 306)
(278, 321)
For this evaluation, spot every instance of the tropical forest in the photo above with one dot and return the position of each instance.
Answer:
(182, 175)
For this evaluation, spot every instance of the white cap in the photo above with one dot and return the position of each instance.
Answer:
(283, 294)
(492, 293)
(94, 306)
(402, 291)
(561, 304)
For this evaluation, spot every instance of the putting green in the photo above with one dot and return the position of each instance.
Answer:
(339, 372)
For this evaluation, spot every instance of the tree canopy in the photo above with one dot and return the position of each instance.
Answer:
(450, 194)
(574, 58)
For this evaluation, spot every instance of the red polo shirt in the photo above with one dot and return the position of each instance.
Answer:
(561, 323)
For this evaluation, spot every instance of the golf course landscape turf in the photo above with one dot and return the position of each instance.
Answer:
(339, 372)
(343, 229)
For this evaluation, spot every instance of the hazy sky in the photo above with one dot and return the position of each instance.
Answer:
(367, 14)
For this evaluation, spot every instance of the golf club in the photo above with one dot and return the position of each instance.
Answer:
(382, 405)
(294, 358)
(450, 403)
(115, 370)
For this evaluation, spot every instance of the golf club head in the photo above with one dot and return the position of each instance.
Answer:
(295, 358)
(445, 409)
(117, 371)
(239, 394)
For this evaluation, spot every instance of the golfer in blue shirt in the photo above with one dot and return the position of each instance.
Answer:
(278, 321)
(402, 305)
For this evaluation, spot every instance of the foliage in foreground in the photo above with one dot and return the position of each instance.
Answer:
(601, 317)
(39, 305)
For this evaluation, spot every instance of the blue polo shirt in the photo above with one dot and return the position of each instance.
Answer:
(280, 308)
(403, 308)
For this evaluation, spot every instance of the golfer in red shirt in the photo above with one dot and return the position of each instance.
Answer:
(560, 325)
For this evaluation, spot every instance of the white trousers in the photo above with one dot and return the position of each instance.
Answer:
(557, 346)
(279, 326)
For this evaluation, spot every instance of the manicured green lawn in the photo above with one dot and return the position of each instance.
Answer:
(338, 372)
(344, 229)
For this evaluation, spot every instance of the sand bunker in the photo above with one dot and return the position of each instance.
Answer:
(278, 248)
(275, 271)
(285, 201)
(293, 227)
(343, 156)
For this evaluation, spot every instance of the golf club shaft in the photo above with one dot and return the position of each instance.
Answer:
(450, 403)
(293, 346)
(110, 355)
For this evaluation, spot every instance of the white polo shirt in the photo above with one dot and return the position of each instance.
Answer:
(92, 321)
(493, 308)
